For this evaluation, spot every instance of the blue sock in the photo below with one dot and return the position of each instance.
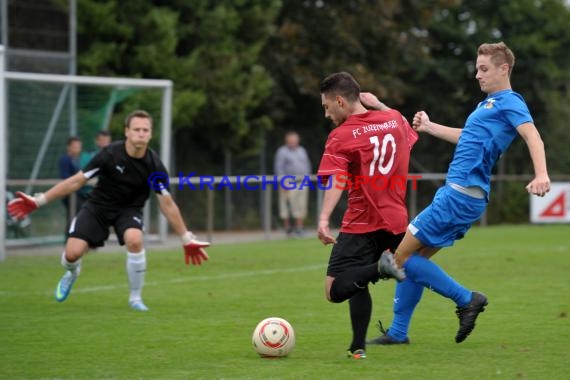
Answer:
(430, 275)
(408, 294)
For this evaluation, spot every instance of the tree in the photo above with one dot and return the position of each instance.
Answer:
(209, 49)
(421, 55)
(537, 32)
(382, 43)
(243, 66)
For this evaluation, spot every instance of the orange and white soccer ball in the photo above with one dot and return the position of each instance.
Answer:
(273, 337)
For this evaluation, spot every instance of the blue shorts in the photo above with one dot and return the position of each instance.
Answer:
(447, 218)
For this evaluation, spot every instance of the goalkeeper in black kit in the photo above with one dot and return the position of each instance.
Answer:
(124, 168)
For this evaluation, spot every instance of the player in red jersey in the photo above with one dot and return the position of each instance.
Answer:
(368, 155)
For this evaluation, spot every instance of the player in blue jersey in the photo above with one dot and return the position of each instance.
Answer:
(488, 132)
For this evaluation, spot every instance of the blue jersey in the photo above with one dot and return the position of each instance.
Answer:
(488, 132)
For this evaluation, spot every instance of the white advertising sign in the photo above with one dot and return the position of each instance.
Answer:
(554, 207)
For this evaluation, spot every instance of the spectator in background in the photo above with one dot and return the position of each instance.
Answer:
(102, 139)
(68, 166)
(292, 159)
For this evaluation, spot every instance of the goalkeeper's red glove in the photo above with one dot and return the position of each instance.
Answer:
(194, 249)
(24, 204)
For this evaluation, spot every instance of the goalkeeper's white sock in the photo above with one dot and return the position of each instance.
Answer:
(136, 269)
(74, 267)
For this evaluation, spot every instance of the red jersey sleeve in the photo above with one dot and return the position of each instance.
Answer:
(335, 159)
(411, 134)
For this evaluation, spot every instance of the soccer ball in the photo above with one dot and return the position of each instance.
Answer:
(273, 337)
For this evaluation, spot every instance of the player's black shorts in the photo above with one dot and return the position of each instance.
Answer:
(357, 250)
(92, 224)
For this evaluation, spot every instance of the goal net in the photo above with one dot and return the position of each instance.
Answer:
(41, 112)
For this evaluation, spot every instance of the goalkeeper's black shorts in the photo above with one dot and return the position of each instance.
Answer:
(92, 223)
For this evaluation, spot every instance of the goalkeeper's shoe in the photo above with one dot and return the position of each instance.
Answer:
(468, 314)
(386, 339)
(64, 286)
(138, 305)
(387, 267)
(356, 354)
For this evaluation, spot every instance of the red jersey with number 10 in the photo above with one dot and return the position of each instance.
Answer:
(373, 149)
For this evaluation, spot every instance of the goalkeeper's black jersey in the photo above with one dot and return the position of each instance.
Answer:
(123, 180)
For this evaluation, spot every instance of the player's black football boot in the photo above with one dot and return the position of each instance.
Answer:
(386, 339)
(468, 314)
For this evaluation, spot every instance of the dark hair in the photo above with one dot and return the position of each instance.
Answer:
(103, 133)
(342, 84)
(72, 139)
(138, 113)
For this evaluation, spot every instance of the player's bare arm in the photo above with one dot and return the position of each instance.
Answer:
(172, 213)
(66, 186)
(422, 123)
(540, 185)
(331, 198)
(371, 102)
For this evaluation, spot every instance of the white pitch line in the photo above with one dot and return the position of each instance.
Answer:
(234, 275)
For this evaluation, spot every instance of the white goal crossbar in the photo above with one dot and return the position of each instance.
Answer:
(94, 81)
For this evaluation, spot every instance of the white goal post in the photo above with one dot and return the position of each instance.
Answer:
(68, 81)
(3, 156)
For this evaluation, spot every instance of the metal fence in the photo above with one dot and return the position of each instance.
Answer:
(208, 206)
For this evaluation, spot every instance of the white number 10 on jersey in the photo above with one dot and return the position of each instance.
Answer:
(388, 139)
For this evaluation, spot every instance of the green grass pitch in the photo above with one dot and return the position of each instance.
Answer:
(201, 318)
